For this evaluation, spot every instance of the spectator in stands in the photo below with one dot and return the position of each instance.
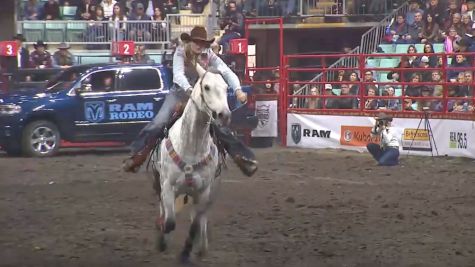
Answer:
(63, 58)
(346, 102)
(450, 40)
(108, 7)
(467, 24)
(424, 104)
(128, 6)
(329, 102)
(40, 58)
(455, 23)
(314, 103)
(386, 153)
(429, 49)
(449, 12)
(355, 89)
(460, 62)
(31, 10)
(415, 29)
(436, 10)
(170, 7)
(270, 8)
(140, 55)
(233, 18)
(85, 10)
(408, 105)
(430, 31)
(398, 31)
(51, 10)
(371, 103)
(414, 8)
(391, 104)
(22, 58)
(471, 9)
(466, 90)
(413, 57)
(140, 31)
(425, 74)
(198, 6)
(436, 77)
(159, 26)
(368, 78)
(414, 89)
(119, 18)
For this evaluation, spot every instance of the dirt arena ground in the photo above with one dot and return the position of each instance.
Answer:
(303, 208)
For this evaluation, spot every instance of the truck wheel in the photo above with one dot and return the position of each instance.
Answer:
(40, 139)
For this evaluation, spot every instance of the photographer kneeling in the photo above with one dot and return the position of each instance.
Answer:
(387, 154)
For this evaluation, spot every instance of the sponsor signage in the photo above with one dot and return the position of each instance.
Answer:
(95, 111)
(266, 112)
(416, 139)
(298, 133)
(357, 136)
(458, 140)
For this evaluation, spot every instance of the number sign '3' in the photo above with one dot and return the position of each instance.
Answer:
(8, 48)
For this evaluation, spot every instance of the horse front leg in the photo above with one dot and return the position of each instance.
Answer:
(167, 220)
(198, 233)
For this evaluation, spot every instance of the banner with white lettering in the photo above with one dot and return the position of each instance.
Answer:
(416, 136)
(266, 112)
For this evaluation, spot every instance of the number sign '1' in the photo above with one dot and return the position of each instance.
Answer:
(8, 48)
(238, 46)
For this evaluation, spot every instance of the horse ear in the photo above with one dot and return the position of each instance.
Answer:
(200, 70)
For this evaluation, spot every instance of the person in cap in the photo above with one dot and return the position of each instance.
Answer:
(40, 58)
(194, 49)
(387, 152)
(63, 58)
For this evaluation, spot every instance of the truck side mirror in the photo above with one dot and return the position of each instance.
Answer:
(85, 87)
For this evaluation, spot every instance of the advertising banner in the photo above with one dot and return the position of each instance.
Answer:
(266, 112)
(416, 136)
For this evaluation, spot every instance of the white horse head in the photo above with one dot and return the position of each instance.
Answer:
(210, 95)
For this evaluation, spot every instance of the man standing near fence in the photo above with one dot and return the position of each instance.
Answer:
(386, 153)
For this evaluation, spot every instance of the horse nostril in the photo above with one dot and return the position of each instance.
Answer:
(220, 115)
(214, 114)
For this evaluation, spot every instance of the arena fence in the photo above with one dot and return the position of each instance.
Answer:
(95, 32)
(449, 97)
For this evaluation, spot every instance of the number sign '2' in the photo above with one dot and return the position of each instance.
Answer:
(238, 46)
(124, 48)
(8, 48)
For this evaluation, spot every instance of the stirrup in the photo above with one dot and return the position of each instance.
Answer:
(247, 166)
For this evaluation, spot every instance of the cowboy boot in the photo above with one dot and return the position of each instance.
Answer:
(247, 166)
(133, 163)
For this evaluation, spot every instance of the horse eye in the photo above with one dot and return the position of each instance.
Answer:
(206, 87)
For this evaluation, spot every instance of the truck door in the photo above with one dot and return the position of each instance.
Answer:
(93, 122)
(141, 94)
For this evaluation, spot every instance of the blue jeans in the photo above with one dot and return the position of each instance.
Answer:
(384, 157)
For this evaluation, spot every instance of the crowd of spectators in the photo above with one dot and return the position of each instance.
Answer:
(433, 21)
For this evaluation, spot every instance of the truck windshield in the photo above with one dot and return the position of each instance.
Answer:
(59, 86)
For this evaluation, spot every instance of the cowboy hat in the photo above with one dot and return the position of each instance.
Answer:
(64, 45)
(40, 43)
(19, 37)
(197, 34)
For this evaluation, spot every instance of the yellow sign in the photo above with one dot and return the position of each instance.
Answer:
(410, 134)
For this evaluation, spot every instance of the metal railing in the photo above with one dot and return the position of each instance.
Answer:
(180, 23)
(327, 75)
(95, 32)
(373, 37)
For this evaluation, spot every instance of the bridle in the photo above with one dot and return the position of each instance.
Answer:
(207, 110)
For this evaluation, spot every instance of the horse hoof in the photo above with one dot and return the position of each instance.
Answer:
(185, 258)
(161, 243)
(169, 226)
